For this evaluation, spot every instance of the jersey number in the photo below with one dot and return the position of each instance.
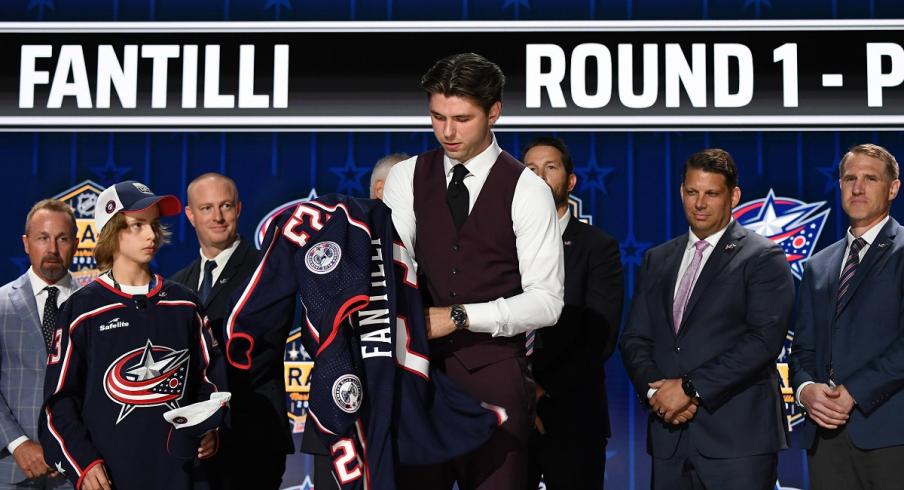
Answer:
(54, 356)
(297, 220)
(347, 455)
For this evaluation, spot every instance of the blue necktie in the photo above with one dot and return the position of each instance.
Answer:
(207, 283)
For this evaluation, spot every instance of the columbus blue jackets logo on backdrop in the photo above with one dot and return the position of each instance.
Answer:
(323, 257)
(149, 376)
(786, 221)
(347, 393)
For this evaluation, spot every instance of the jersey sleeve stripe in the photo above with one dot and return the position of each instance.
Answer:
(243, 299)
(82, 475)
(319, 425)
(352, 305)
(59, 439)
(75, 323)
(405, 357)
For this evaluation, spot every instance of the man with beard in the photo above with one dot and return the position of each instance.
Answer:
(567, 360)
(28, 312)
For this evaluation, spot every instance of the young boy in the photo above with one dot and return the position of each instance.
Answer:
(129, 347)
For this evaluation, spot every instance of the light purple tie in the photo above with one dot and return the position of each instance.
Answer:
(687, 284)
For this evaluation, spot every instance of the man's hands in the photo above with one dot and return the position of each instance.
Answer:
(670, 403)
(439, 321)
(30, 457)
(208, 445)
(96, 479)
(828, 407)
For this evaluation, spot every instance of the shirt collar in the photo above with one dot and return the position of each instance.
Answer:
(563, 221)
(478, 166)
(223, 257)
(38, 284)
(713, 239)
(870, 235)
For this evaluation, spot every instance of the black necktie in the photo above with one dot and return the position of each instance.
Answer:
(50, 315)
(850, 267)
(207, 283)
(457, 196)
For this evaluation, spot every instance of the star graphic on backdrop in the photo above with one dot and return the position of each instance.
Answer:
(22, 262)
(831, 178)
(350, 177)
(40, 3)
(768, 223)
(632, 250)
(278, 3)
(294, 353)
(110, 174)
(748, 3)
(509, 3)
(592, 176)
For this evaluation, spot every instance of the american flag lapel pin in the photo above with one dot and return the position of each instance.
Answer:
(223, 280)
(882, 245)
(567, 242)
(730, 246)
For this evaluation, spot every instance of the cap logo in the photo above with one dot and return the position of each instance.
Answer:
(110, 206)
(142, 188)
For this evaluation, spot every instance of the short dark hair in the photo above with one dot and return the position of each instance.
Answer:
(713, 160)
(466, 75)
(875, 151)
(556, 143)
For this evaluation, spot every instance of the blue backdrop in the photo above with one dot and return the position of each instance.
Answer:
(627, 181)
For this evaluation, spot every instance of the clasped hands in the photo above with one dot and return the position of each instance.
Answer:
(670, 403)
(828, 407)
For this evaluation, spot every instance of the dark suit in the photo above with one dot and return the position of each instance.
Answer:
(864, 340)
(255, 451)
(733, 328)
(568, 363)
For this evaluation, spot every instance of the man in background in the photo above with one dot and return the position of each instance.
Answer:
(567, 359)
(254, 456)
(381, 170)
(28, 311)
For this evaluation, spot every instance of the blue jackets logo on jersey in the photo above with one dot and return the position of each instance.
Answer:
(347, 393)
(149, 376)
(323, 257)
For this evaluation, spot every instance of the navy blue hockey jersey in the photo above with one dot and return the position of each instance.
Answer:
(118, 363)
(374, 398)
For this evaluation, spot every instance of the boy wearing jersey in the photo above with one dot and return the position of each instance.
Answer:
(128, 347)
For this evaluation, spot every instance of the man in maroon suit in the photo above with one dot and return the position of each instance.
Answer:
(484, 233)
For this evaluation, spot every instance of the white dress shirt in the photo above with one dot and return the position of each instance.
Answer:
(869, 237)
(686, 260)
(537, 238)
(66, 288)
(221, 259)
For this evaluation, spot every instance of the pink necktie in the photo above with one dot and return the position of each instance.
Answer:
(687, 284)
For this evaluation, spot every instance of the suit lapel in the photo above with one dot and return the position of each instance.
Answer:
(570, 237)
(670, 278)
(228, 271)
(874, 255)
(728, 247)
(194, 275)
(23, 299)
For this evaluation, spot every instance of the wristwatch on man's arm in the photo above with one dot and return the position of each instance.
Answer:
(459, 317)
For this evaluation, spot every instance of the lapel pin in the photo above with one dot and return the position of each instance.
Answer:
(223, 281)
(567, 242)
(882, 245)
(730, 246)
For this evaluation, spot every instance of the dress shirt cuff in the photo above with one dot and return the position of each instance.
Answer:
(797, 393)
(16, 443)
(651, 392)
(480, 318)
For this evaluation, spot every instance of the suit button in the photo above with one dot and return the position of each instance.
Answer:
(453, 294)
(455, 246)
(454, 270)
(677, 350)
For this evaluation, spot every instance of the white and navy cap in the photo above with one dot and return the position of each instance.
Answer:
(129, 197)
(192, 422)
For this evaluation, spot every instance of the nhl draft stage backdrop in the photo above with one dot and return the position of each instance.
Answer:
(128, 90)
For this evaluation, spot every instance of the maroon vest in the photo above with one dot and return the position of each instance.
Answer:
(474, 265)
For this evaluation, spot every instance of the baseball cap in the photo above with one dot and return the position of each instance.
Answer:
(130, 196)
(192, 422)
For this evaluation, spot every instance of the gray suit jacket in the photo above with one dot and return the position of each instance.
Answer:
(23, 359)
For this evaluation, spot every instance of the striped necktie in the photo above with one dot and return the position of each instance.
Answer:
(850, 268)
